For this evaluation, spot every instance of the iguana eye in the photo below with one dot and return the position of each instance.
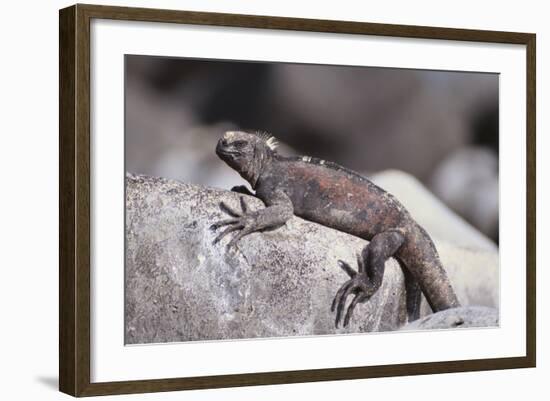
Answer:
(239, 144)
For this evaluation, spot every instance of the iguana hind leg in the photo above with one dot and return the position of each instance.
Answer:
(364, 282)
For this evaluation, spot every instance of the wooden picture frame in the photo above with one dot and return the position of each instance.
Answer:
(75, 207)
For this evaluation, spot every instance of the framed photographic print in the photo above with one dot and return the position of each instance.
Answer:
(250, 200)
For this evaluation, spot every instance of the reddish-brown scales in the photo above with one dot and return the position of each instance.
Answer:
(334, 198)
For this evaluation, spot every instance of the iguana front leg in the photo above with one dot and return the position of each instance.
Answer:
(279, 209)
(368, 278)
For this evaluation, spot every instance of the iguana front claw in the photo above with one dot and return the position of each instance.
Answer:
(241, 220)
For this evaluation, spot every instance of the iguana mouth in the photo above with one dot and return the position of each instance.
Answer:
(225, 152)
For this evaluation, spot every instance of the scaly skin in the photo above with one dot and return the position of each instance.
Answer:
(328, 194)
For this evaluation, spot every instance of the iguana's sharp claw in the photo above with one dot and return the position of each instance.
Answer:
(232, 212)
(244, 231)
(358, 298)
(244, 206)
(342, 302)
(229, 210)
(240, 221)
(338, 295)
(222, 223)
(358, 284)
(347, 268)
(226, 231)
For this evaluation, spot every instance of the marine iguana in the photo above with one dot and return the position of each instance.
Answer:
(326, 193)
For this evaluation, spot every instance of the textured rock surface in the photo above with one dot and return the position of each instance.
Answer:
(473, 316)
(180, 287)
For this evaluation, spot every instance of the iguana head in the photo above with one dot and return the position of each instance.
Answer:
(245, 152)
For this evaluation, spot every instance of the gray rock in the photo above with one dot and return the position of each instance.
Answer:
(473, 273)
(474, 316)
(180, 287)
(467, 181)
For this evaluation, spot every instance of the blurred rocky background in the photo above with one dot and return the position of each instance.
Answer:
(441, 127)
